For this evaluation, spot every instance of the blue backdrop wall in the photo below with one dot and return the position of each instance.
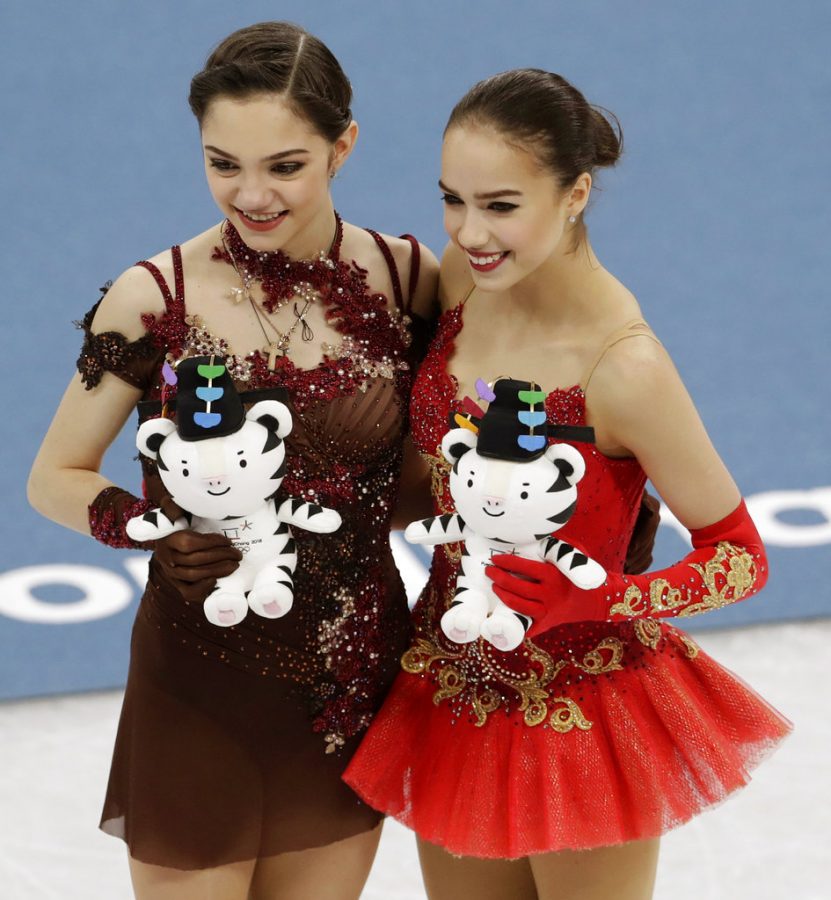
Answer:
(717, 219)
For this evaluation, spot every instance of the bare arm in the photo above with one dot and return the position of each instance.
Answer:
(640, 406)
(65, 476)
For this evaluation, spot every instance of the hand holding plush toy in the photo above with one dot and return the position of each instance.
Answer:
(224, 466)
(512, 490)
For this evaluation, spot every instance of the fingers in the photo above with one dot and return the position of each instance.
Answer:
(205, 557)
(519, 586)
(526, 607)
(197, 591)
(519, 565)
(193, 541)
(194, 574)
(193, 561)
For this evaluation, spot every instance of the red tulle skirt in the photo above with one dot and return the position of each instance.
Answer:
(665, 741)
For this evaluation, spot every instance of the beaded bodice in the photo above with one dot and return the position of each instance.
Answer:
(540, 677)
(340, 644)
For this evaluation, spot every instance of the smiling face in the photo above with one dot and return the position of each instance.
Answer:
(225, 476)
(509, 501)
(268, 170)
(506, 212)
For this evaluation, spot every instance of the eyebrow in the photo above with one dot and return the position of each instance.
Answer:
(280, 155)
(490, 195)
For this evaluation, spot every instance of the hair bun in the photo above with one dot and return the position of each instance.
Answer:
(608, 137)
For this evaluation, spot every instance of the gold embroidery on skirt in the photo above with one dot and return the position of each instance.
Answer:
(595, 663)
(569, 716)
(535, 702)
(689, 645)
(648, 632)
(484, 704)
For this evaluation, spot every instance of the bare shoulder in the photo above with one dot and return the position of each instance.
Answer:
(360, 245)
(636, 392)
(636, 365)
(455, 280)
(135, 292)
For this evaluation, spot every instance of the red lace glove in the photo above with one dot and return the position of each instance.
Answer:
(189, 561)
(727, 564)
(109, 513)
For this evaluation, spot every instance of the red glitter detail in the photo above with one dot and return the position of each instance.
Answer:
(109, 514)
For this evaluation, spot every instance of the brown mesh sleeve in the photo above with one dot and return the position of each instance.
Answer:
(132, 361)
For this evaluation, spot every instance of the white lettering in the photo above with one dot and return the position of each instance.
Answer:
(104, 594)
(766, 509)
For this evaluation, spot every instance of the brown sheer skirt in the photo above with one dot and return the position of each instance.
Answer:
(215, 762)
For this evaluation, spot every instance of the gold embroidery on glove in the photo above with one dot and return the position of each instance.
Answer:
(728, 576)
(734, 569)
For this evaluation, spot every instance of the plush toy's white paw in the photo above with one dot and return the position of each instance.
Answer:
(225, 609)
(588, 576)
(461, 624)
(153, 526)
(503, 630)
(325, 522)
(271, 600)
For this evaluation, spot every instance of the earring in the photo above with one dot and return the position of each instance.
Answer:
(333, 173)
(572, 219)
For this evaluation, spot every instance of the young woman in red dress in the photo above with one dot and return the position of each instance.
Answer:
(551, 771)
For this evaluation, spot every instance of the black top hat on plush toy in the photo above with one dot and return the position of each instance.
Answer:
(207, 403)
(514, 427)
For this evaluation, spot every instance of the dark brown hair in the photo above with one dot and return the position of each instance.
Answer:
(547, 115)
(277, 58)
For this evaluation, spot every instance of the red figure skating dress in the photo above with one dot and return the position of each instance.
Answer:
(591, 734)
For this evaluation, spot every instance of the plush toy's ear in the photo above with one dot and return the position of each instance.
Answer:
(273, 415)
(151, 434)
(570, 463)
(456, 443)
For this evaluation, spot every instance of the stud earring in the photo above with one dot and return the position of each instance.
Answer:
(572, 219)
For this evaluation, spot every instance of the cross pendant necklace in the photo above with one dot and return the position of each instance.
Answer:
(281, 345)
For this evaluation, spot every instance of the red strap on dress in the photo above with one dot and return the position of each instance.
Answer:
(415, 264)
(393, 268)
(401, 302)
(178, 277)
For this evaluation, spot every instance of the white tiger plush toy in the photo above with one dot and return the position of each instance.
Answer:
(504, 506)
(227, 485)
